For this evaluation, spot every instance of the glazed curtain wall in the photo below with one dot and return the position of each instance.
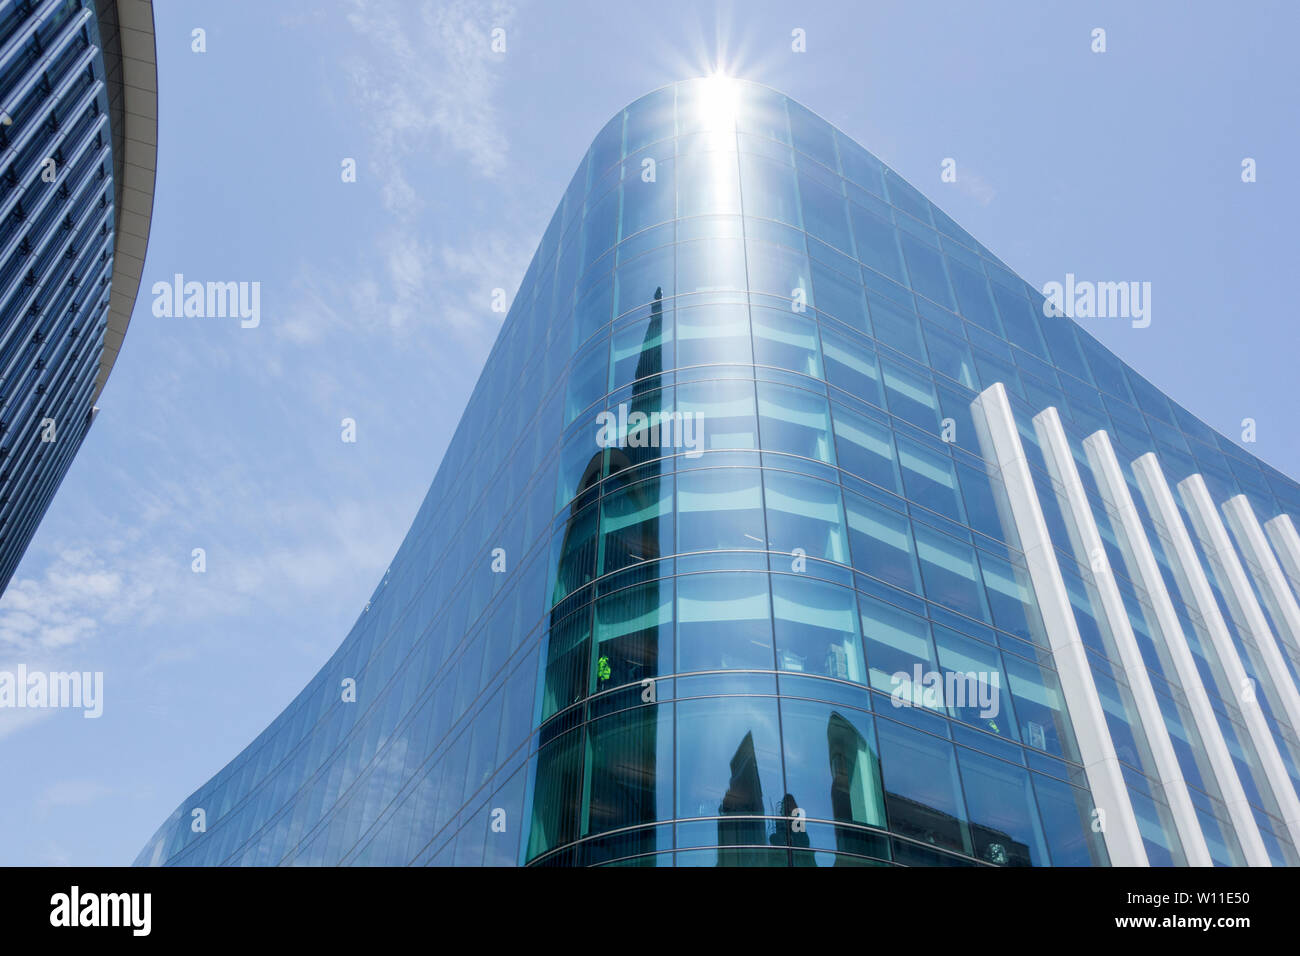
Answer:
(654, 642)
(56, 249)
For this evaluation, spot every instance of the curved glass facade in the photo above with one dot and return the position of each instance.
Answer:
(62, 119)
(729, 563)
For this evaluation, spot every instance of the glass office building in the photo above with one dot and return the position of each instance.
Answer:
(78, 124)
(784, 527)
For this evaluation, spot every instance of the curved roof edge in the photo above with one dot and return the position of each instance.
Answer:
(126, 34)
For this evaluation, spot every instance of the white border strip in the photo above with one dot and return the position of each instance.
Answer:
(1281, 531)
(1146, 572)
(1091, 554)
(1232, 575)
(1000, 442)
(1161, 502)
(1264, 566)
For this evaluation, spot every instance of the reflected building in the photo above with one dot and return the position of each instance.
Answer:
(648, 651)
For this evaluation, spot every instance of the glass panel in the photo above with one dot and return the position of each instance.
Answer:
(786, 340)
(769, 190)
(929, 478)
(851, 365)
(720, 509)
(725, 409)
(922, 794)
(804, 513)
(824, 214)
(794, 421)
(1067, 815)
(711, 265)
(1040, 708)
(724, 622)
(709, 184)
(729, 766)
(1003, 812)
(636, 524)
(816, 628)
(630, 780)
(713, 334)
(950, 573)
(832, 769)
(897, 643)
(865, 447)
(925, 266)
(877, 243)
(634, 634)
(880, 541)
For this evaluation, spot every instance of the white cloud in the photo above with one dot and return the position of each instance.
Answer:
(65, 606)
(430, 79)
(976, 187)
(74, 793)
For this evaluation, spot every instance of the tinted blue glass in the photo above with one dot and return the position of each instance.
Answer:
(697, 617)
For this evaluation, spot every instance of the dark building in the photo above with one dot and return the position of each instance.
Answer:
(78, 141)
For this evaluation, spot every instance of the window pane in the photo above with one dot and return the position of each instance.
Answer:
(647, 201)
(880, 541)
(727, 410)
(982, 697)
(723, 622)
(786, 340)
(794, 421)
(634, 634)
(896, 642)
(1003, 813)
(708, 184)
(950, 573)
(877, 243)
(929, 478)
(1040, 708)
(645, 279)
(630, 756)
(816, 628)
(711, 265)
(922, 794)
(713, 334)
(769, 190)
(925, 266)
(851, 365)
(729, 765)
(865, 447)
(824, 215)
(720, 509)
(1067, 814)
(832, 769)
(840, 296)
(636, 524)
(805, 513)
(777, 270)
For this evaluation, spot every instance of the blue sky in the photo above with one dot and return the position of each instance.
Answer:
(376, 296)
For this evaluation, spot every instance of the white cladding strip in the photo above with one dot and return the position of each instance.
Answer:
(1264, 565)
(1056, 452)
(1146, 572)
(1281, 531)
(1160, 501)
(1000, 443)
(1223, 556)
(139, 70)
